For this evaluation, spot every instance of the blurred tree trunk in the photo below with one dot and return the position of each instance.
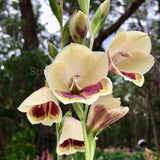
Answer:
(29, 25)
(31, 43)
(131, 119)
(3, 141)
(151, 113)
(148, 128)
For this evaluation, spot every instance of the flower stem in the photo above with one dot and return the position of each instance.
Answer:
(86, 111)
(82, 116)
(87, 148)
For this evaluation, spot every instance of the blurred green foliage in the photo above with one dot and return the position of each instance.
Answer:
(20, 146)
(116, 155)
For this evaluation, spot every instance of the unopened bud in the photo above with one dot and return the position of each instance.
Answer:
(78, 27)
(105, 8)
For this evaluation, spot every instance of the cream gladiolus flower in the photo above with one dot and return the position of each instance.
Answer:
(129, 55)
(105, 111)
(71, 139)
(41, 107)
(79, 75)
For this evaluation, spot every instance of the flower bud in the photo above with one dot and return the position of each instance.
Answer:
(78, 27)
(105, 8)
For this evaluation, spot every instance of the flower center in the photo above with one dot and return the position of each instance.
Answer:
(75, 88)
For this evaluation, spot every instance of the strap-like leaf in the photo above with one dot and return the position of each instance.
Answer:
(56, 9)
(96, 20)
(66, 31)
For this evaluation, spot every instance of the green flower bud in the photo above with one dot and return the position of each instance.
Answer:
(105, 8)
(78, 27)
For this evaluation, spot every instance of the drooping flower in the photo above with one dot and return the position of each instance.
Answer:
(129, 55)
(41, 107)
(71, 139)
(78, 75)
(105, 111)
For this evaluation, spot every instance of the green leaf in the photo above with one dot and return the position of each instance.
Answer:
(96, 18)
(83, 5)
(66, 31)
(98, 21)
(78, 109)
(52, 50)
(67, 114)
(56, 9)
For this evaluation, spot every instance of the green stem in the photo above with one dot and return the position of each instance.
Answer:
(78, 109)
(87, 148)
(88, 6)
(82, 116)
(91, 41)
(86, 111)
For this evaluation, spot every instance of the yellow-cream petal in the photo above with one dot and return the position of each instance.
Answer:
(94, 68)
(72, 54)
(46, 113)
(71, 129)
(114, 114)
(58, 76)
(88, 94)
(44, 120)
(103, 100)
(131, 40)
(70, 146)
(136, 78)
(65, 148)
(105, 111)
(134, 61)
(40, 96)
